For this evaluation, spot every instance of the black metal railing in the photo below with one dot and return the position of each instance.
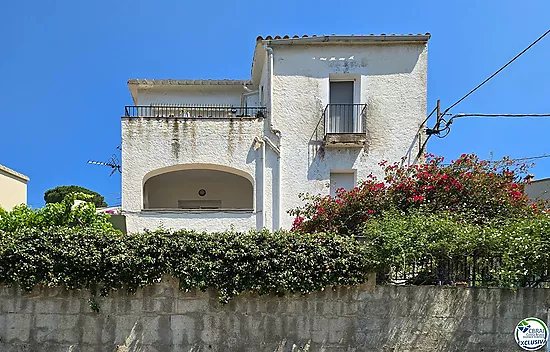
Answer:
(472, 271)
(195, 111)
(344, 118)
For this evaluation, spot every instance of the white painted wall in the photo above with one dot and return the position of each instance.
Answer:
(153, 146)
(198, 221)
(391, 79)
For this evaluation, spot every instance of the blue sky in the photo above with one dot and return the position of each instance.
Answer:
(64, 67)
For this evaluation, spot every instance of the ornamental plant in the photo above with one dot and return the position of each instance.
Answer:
(67, 213)
(429, 248)
(230, 262)
(57, 194)
(473, 189)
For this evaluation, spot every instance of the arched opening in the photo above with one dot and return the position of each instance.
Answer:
(196, 188)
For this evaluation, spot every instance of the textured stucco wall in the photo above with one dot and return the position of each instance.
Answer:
(13, 191)
(209, 221)
(164, 319)
(390, 79)
(150, 145)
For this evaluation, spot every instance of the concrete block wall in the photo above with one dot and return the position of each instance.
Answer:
(363, 318)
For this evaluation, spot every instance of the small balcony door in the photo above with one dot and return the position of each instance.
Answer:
(341, 119)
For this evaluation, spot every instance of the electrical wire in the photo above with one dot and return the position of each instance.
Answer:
(497, 72)
(427, 118)
(498, 115)
(520, 159)
(532, 157)
(448, 123)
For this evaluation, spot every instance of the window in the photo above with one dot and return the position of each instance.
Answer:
(262, 98)
(341, 119)
(341, 179)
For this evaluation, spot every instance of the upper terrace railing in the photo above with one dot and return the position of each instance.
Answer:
(195, 111)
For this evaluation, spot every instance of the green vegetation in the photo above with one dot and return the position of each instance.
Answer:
(476, 191)
(467, 221)
(430, 224)
(512, 253)
(65, 214)
(232, 263)
(57, 194)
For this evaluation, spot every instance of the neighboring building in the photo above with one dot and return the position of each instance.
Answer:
(13, 188)
(538, 189)
(318, 113)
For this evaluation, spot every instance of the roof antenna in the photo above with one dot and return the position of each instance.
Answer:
(113, 163)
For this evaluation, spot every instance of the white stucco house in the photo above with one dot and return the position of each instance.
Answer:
(317, 113)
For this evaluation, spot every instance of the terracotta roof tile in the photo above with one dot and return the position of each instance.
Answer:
(286, 36)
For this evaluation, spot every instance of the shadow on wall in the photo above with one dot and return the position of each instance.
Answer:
(322, 160)
(443, 319)
(376, 60)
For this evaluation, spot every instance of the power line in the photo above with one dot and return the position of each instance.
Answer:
(436, 130)
(497, 72)
(520, 159)
(498, 115)
(532, 157)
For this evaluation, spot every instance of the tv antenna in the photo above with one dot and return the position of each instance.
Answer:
(113, 163)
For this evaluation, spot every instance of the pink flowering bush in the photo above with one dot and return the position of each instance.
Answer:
(472, 189)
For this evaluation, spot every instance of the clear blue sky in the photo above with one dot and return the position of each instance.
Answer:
(64, 67)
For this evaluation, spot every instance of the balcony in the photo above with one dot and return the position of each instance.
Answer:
(195, 111)
(344, 125)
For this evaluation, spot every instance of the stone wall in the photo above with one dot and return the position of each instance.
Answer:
(365, 318)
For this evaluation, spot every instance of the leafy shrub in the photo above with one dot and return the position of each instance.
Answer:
(230, 262)
(511, 253)
(476, 190)
(64, 214)
(526, 254)
(57, 194)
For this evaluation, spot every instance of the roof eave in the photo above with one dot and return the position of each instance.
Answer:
(14, 173)
(135, 84)
(351, 39)
(187, 82)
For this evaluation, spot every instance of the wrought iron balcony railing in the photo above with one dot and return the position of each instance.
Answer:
(344, 118)
(195, 111)
(341, 125)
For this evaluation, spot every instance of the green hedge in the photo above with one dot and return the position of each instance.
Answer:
(261, 262)
(513, 252)
(101, 259)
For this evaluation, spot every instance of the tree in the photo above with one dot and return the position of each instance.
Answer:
(57, 194)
